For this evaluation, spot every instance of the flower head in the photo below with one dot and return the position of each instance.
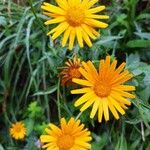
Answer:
(104, 89)
(70, 71)
(69, 136)
(76, 19)
(18, 131)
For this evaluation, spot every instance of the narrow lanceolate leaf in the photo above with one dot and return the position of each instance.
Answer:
(49, 91)
(139, 44)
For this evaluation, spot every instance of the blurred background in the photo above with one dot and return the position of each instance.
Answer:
(30, 63)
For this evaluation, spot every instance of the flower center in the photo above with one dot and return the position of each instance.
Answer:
(18, 129)
(102, 88)
(74, 73)
(75, 16)
(65, 142)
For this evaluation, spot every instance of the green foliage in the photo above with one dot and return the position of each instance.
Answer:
(29, 68)
(34, 111)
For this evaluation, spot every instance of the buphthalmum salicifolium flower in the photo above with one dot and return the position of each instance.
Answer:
(18, 131)
(70, 135)
(104, 89)
(70, 71)
(76, 19)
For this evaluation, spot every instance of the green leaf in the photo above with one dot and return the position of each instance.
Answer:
(29, 123)
(34, 110)
(148, 147)
(144, 35)
(143, 16)
(3, 21)
(145, 94)
(134, 121)
(122, 144)
(96, 146)
(138, 44)
(133, 61)
(108, 39)
(1, 147)
(101, 141)
(49, 91)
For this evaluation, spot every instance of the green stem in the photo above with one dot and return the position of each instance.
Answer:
(36, 17)
(58, 100)
(44, 84)
(78, 116)
(7, 118)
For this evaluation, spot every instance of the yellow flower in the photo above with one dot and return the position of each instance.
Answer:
(18, 131)
(76, 19)
(104, 89)
(70, 136)
(70, 71)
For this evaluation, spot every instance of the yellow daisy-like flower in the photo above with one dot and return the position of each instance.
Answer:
(70, 136)
(76, 18)
(18, 131)
(104, 89)
(70, 71)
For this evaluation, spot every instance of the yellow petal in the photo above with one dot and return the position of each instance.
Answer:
(92, 67)
(91, 3)
(47, 138)
(82, 82)
(71, 122)
(72, 38)
(120, 77)
(119, 98)
(96, 23)
(101, 66)
(59, 27)
(63, 124)
(105, 108)
(113, 65)
(113, 110)
(49, 145)
(54, 9)
(80, 91)
(107, 62)
(63, 4)
(125, 87)
(116, 105)
(50, 14)
(55, 128)
(120, 68)
(88, 31)
(79, 36)
(56, 20)
(97, 34)
(87, 75)
(96, 9)
(59, 31)
(84, 98)
(87, 104)
(85, 139)
(100, 112)
(66, 36)
(125, 94)
(86, 39)
(95, 107)
(83, 144)
(74, 2)
(97, 16)
(52, 148)
(123, 79)
(85, 3)
(48, 131)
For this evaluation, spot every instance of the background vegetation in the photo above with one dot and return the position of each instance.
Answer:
(30, 88)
